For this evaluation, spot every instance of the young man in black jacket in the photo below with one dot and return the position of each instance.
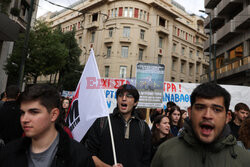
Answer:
(45, 144)
(131, 134)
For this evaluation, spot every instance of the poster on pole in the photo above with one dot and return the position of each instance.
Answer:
(149, 82)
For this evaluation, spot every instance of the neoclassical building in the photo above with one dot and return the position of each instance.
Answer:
(126, 32)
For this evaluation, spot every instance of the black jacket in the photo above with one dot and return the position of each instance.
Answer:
(70, 153)
(10, 126)
(133, 151)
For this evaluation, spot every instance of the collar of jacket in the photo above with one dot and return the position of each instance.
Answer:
(63, 152)
(134, 114)
(225, 139)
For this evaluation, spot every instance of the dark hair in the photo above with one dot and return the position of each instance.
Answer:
(170, 104)
(130, 89)
(47, 95)
(12, 91)
(174, 108)
(241, 106)
(210, 91)
(244, 133)
(155, 131)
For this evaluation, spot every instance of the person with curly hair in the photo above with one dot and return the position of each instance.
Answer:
(244, 134)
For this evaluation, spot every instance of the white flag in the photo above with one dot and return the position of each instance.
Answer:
(89, 101)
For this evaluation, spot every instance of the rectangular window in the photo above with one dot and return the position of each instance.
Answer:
(141, 13)
(172, 79)
(106, 71)
(190, 53)
(136, 12)
(108, 51)
(197, 53)
(174, 63)
(94, 17)
(124, 51)
(116, 12)
(140, 54)
(190, 69)
(159, 59)
(126, 31)
(120, 11)
(123, 70)
(174, 47)
(80, 40)
(144, 16)
(197, 68)
(183, 51)
(130, 12)
(111, 32)
(112, 13)
(183, 67)
(126, 12)
(142, 33)
(162, 21)
(92, 37)
(79, 25)
(160, 42)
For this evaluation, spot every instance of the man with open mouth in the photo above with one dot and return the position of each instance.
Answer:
(132, 136)
(206, 139)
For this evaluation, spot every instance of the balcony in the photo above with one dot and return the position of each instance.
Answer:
(125, 40)
(162, 30)
(216, 20)
(108, 40)
(243, 19)
(199, 44)
(235, 67)
(226, 32)
(142, 42)
(213, 42)
(211, 3)
(92, 25)
(229, 7)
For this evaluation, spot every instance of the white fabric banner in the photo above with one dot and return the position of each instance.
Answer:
(89, 102)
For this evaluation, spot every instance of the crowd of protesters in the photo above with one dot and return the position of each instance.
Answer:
(33, 131)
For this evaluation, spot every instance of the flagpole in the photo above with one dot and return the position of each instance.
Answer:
(112, 139)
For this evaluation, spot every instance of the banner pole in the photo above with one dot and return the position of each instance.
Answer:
(112, 140)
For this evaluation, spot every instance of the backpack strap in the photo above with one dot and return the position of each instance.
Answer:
(103, 124)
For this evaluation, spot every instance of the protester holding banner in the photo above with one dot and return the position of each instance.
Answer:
(175, 120)
(132, 136)
(160, 132)
(206, 139)
(241, 111)
(45, 143)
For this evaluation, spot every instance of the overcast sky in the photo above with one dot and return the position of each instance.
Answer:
(191, 6)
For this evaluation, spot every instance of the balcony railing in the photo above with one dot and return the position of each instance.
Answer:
(236, 64)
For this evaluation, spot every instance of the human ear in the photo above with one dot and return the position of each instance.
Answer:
(157, 125)
(54, 114)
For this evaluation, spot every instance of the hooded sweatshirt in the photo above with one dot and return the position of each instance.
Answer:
(187, 151)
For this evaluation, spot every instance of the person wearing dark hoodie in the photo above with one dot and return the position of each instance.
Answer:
(206, 140)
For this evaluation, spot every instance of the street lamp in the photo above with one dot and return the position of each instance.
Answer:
(210, 48)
